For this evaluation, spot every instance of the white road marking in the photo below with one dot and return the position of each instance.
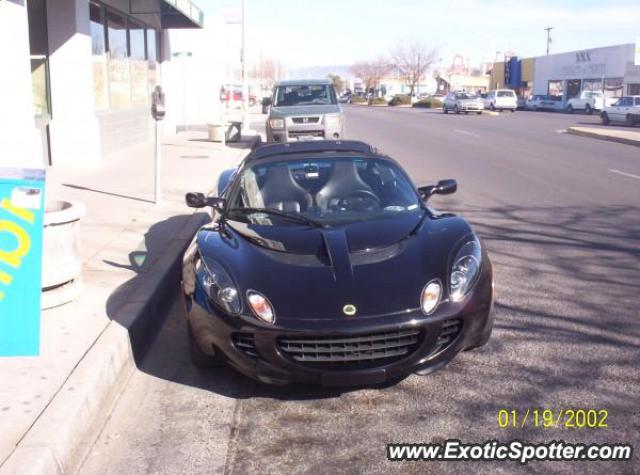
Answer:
(630, 175)
(561, 131)
(465, 132)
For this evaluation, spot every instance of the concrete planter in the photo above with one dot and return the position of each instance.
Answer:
(61, 259)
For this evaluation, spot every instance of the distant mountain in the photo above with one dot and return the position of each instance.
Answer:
(319, 72)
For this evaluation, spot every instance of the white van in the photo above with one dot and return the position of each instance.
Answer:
(501, 99)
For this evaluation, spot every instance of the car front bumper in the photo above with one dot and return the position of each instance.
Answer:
(256, 349)
(302, 132)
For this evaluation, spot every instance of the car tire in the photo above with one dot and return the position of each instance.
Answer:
(445, 110)
(492, 107)
(570, 109)
(479, 112)
(466, 112)
(629, 120)
(512, 111)
(588, 109)
(199, 358)
(605, 118)
(456, 110)
(500, 110)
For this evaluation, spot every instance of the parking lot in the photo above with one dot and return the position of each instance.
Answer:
(560, 215)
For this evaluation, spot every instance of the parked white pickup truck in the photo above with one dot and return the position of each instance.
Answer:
(588, 101)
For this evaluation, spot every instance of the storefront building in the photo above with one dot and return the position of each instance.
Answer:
(518, 75)
(93, 65)
(609, 69)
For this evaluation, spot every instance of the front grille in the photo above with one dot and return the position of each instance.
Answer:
(305, 120)
(246, 343)
(450, 331)
(303, 133)
(359, 351)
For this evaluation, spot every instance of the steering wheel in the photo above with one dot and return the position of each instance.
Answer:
(359, 200)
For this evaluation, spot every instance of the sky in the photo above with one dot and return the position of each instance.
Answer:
(303, 33)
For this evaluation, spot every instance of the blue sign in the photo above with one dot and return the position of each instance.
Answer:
(21, 223)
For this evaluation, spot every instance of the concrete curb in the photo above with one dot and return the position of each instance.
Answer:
(582, 132)
(61, 437)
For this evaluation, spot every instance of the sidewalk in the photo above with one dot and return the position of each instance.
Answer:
(625, 135)
(50, 404)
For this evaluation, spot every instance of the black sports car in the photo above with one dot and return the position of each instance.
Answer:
(324, 265)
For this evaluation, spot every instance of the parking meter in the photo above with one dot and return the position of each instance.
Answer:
(157, 104)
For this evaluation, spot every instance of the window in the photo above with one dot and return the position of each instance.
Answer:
(137, 64)
(98, 56)
(119, 87)
(592, 85)
(152, 57)
(613, 87)
(638, 101)
(633, 89)
(555, 88)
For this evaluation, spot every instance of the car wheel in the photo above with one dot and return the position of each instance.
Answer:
(605, 118)
(456, 110)
(629, 120)
(512, 111)
(199, 358)
(492, 107)
(445, 110)
(570, 109)
(479, 112)
(500, 110)
(466, 112)
(588, 109)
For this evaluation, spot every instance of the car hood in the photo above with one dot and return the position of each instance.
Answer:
(314, 274)
(303, 110)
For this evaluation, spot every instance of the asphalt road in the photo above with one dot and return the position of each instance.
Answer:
(561, 217)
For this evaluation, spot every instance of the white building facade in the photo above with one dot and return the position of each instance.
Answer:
(610, 69)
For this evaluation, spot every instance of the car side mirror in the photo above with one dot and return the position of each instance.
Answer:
(444, 187)
(199, 200)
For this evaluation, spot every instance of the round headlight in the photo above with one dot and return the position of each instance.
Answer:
(260, 306)
(430, 297)
(218, 285)
(465, 270)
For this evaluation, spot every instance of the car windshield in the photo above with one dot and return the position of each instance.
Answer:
(301, 95)
(464, 95)
(328, 191)
(506, 94)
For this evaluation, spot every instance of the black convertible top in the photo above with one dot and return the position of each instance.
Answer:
(278, 149)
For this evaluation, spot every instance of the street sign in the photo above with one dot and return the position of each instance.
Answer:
(21, 221)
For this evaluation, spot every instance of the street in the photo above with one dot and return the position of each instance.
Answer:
(560, 215)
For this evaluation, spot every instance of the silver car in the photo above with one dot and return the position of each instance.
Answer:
(462, 102)
(304, 110)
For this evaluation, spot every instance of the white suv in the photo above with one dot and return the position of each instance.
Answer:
(501, 99)
(626, 111)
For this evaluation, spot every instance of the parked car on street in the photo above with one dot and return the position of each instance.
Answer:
(304, 110)
(501, 99)
(227, 91)
(541, 102)
(588, 101)
(325, 265)
(625, 111)
(462, 102)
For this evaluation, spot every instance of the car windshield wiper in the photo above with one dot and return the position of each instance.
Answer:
(282, 214)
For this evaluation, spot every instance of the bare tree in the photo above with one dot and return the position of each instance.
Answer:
(267, 71)
(371, 72)
(338, 82)
(412, 61)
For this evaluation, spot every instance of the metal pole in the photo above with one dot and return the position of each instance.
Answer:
(548, 29)
(156, 198)
(245, 87)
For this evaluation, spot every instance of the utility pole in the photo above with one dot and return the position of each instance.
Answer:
(548, 30)
(245, 88)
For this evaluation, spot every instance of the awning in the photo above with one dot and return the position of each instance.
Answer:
(181, 14)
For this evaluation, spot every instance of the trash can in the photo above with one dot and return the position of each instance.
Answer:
(21, 222)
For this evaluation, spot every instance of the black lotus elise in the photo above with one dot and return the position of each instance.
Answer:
(323, 264)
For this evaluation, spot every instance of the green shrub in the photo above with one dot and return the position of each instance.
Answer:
(400, 100)
(378, 101)
(358, 99)
(428, 103)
